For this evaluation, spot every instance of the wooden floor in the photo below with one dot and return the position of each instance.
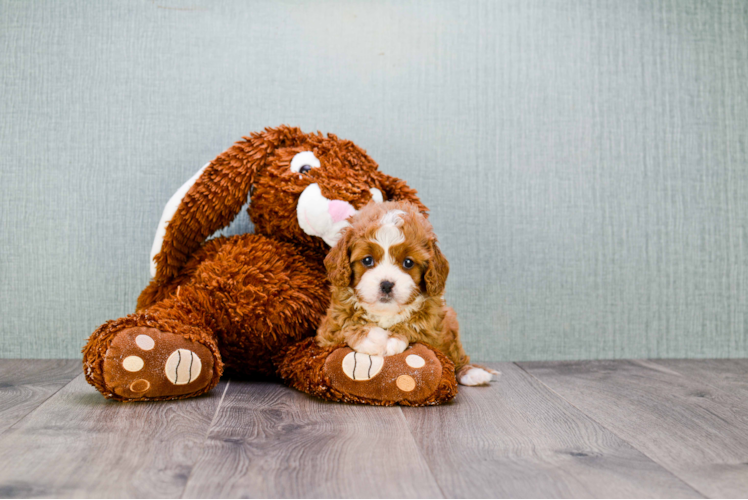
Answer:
(561, 429)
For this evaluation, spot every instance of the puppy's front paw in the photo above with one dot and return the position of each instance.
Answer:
(471, 375)
(374, 344)
(395, 346)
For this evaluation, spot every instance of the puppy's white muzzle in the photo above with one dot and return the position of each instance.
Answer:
(324, 218)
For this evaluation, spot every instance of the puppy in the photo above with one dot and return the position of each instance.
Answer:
(388, 277)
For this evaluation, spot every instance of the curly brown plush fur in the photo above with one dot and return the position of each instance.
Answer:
(243, 298)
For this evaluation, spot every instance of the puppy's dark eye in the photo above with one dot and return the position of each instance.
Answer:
(304, 169)
(408, 263)
(368, 261)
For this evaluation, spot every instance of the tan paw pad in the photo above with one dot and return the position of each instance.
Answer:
(133, 363)
(182, 367)
(405, 383)
(359, 366)
(415, 361)
(140, 385)
(145, 342)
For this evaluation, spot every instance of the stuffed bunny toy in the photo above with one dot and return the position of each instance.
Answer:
(250, 302)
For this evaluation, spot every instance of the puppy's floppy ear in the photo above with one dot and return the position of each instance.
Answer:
(338, 262)
(213, 198)
(436, 271)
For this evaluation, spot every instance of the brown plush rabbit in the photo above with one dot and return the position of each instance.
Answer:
(242, 301)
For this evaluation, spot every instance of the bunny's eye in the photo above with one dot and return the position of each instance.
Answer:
(303, 162)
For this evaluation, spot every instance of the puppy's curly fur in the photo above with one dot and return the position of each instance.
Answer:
(387, 278)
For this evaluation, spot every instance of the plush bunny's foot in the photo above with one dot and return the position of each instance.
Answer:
(411, 376)
(143, 363)
(419, 376)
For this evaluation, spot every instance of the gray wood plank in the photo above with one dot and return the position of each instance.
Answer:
(27, 383)
(271, 441)
(517, 439)
(698, 432)
(730, 375)
(77, 444)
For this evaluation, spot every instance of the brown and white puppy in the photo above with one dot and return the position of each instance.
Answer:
(388, 277)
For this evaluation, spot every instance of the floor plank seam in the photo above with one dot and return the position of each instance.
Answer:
(207, 433)
(675, 475)
(41, 403)
(420, 453)
(688, 377)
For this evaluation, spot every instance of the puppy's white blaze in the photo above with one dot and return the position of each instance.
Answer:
(388, 236)
(476, 376)
(393, 217)
(169, 210)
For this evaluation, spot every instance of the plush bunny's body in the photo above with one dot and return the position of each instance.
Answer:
(238, 301)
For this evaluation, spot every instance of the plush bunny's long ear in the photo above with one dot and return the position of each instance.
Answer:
(169, 210)
(398, 190)
(212, 198)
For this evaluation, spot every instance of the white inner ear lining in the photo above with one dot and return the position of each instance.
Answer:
(169, 210)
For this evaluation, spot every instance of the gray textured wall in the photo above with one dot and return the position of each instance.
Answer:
(585, 161)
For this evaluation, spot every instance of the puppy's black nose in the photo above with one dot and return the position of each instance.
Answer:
(386, 286)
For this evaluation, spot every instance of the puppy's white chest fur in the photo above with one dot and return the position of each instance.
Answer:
(386, 318)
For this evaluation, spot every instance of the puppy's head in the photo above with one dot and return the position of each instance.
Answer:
(389, 257)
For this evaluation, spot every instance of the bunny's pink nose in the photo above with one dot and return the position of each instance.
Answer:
(340, 210)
